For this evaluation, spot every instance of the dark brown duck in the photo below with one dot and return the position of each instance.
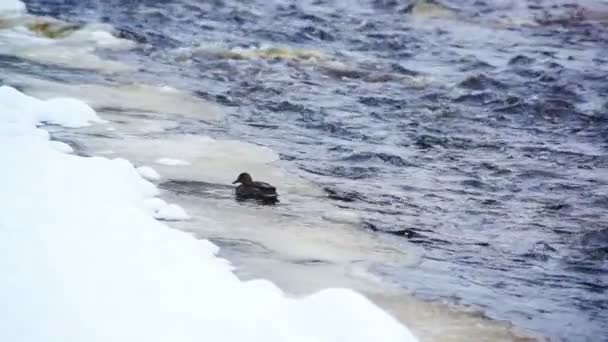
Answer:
(259, 191)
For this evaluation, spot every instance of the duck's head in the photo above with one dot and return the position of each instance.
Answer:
(244, 178)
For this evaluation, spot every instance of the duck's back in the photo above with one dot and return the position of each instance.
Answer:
(259, 191)
(265, 188)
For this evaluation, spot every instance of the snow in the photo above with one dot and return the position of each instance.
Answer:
(172, 162)
(172, 212)
(11, 8)
(83, 259)
(59, 111)
(163, 211)
(61, 146)
(148, 173)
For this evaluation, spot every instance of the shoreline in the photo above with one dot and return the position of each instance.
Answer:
(82, 238)
(398, 304)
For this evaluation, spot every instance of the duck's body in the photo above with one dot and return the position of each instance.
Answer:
(259, 191)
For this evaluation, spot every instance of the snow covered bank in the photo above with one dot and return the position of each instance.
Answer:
(83, 259)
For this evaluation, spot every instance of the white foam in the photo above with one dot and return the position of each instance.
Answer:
(342, 216)
(82, 259)
(148, 173)
(100, 36)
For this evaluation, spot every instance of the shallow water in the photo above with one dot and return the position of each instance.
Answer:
(463, 144)
(304, 244)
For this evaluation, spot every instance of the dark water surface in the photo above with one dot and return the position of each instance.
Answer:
(477, 130)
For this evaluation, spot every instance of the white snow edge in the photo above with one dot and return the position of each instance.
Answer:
(83, 259)
(148, 173)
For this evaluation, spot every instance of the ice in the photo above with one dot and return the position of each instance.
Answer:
(216, 161)
(172, 162)
(136, 97)
(9, 8)
(163, 211)
(61, 146)
(83, 259)
(148, 173)
(55, 42)
(172, 212)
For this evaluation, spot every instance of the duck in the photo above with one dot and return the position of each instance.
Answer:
(259, 191)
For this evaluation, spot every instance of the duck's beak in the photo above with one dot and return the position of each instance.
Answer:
(236, 181)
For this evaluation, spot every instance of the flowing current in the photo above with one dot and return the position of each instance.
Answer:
(470, 135)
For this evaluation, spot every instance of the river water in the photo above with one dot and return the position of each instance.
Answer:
(455, 150)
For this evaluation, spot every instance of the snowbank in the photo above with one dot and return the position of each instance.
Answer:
(29, 111)
(82, 258)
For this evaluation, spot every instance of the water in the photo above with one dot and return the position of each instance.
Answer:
(456, 150)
